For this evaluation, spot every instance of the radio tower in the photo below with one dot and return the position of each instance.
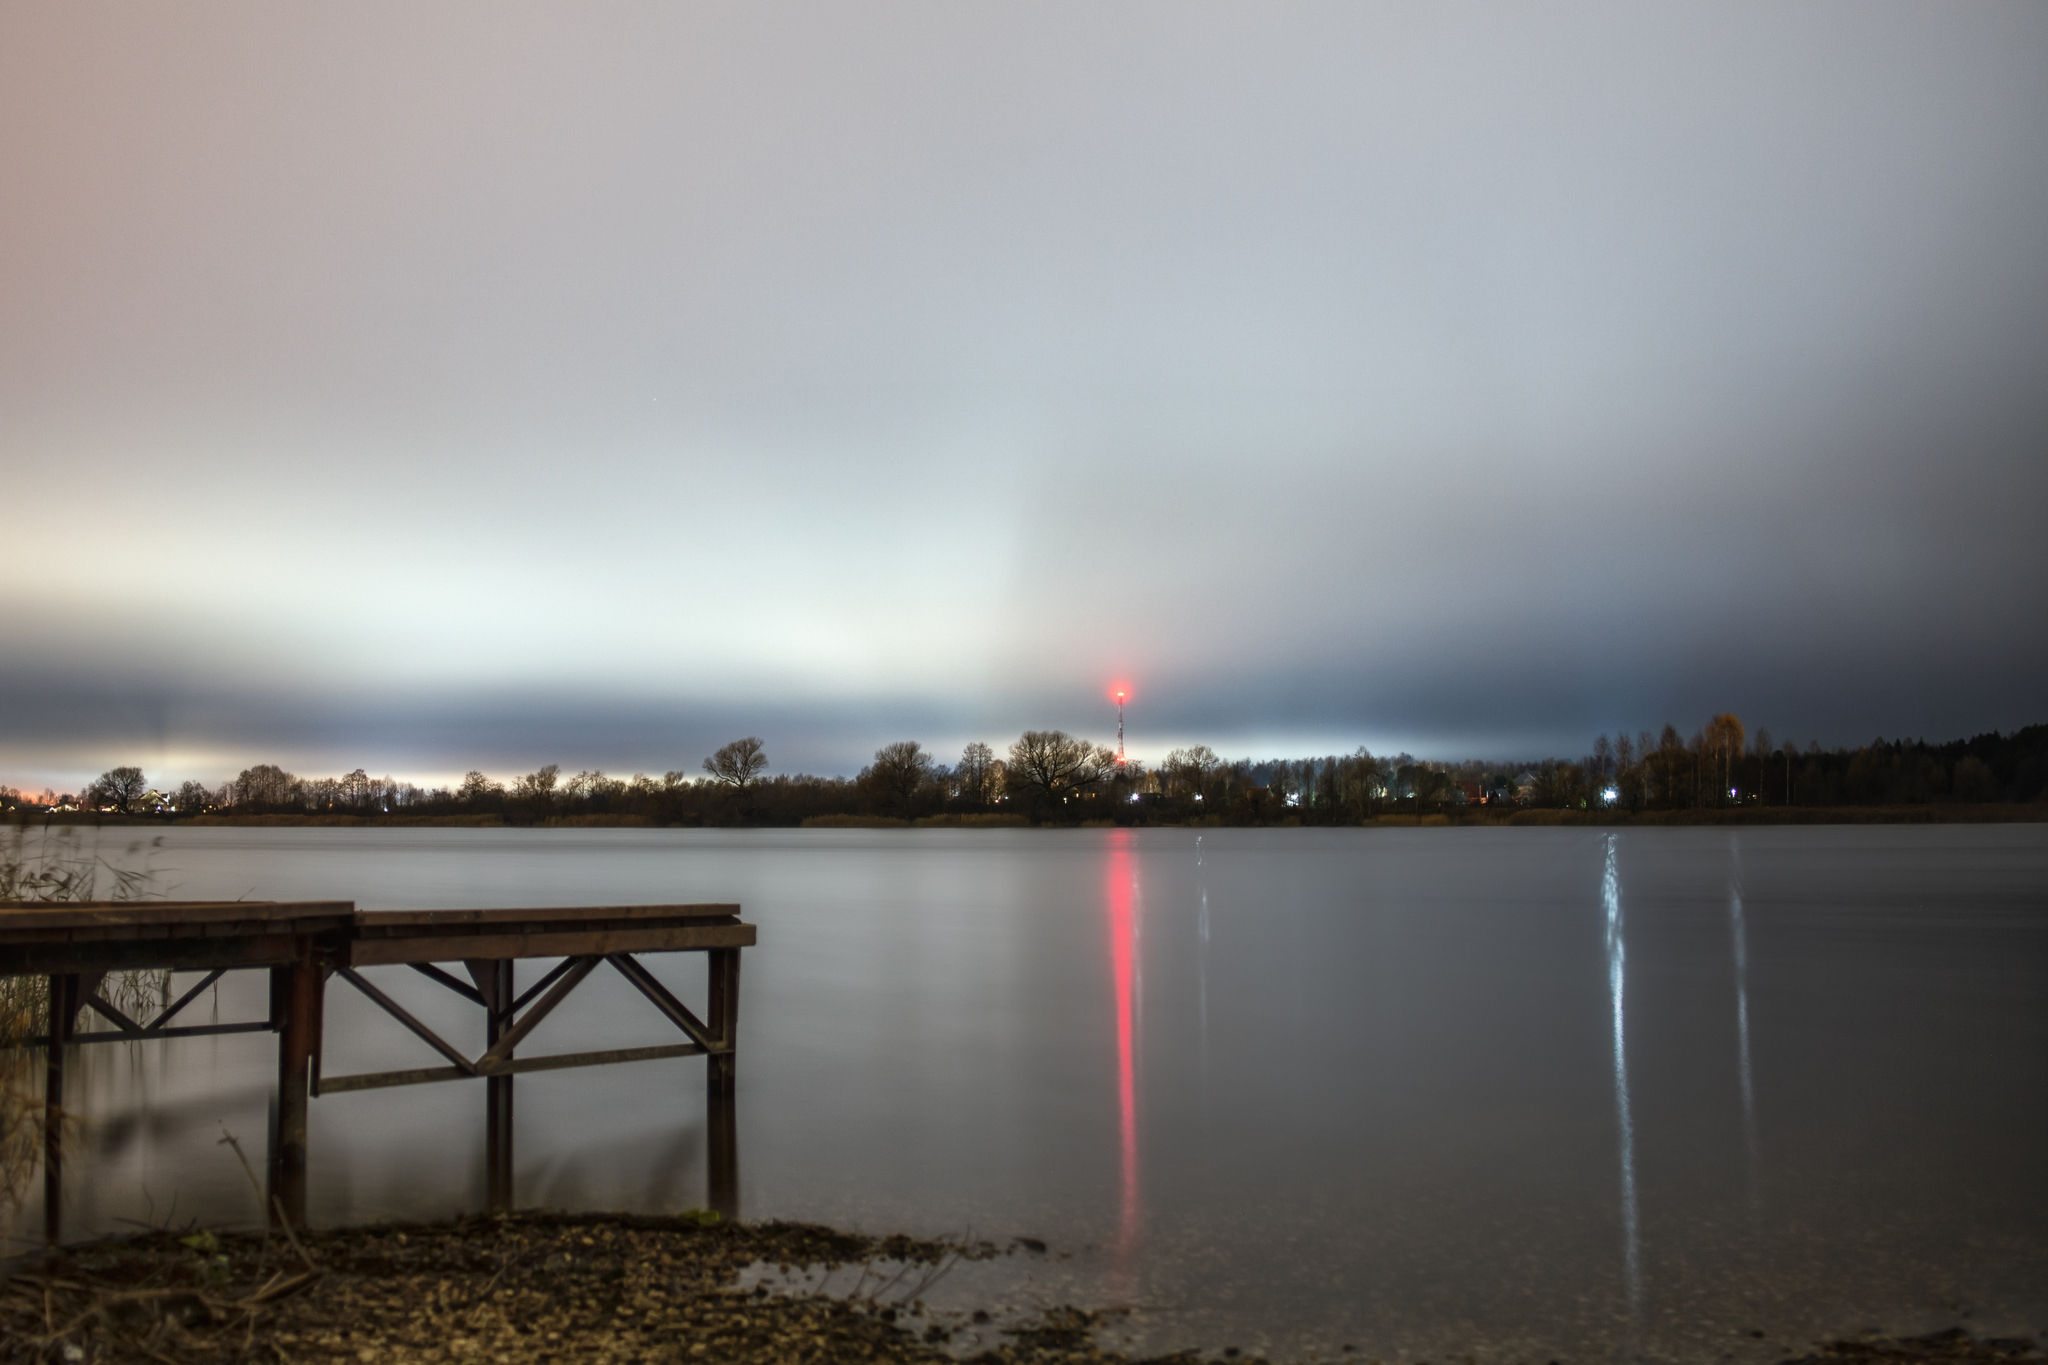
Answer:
(1119, 727)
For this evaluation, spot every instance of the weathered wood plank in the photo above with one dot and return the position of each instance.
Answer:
(554, 914)
(15, 915)
(561, 1061)
(380, 1080)
(383, 950)
(127, 954)
(175, 1031)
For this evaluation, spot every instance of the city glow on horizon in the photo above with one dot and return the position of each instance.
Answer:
(413, 391)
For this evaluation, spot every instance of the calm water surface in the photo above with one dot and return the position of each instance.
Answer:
(1512, 1094)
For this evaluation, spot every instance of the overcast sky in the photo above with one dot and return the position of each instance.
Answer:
(428, 386)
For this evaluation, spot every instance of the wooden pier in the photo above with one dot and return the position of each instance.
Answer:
(306, 945)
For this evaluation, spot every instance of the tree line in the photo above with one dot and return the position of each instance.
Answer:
(1722, 764)
(1050, 777)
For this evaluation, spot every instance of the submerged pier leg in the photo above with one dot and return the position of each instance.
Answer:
(721, 1089)
(498, 1090)
(62, 1012)
(722, 1153)
(295, 998)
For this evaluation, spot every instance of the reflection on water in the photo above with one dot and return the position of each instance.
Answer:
(1202, 969)
(1121, 901)
(1742, 1018)
(1617, 989)
(1281, 1090)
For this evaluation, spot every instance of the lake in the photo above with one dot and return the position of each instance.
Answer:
(1512, 1094)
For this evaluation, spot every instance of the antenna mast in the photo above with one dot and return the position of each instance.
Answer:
(1120, 727)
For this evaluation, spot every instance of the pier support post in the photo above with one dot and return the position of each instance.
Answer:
(721, 1110)
(63, 1013)
(722, 1153)
(724, 1020)
(497, 1089)
(296, 997)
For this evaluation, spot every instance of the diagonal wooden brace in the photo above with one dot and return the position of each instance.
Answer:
(398, 1012)
(187, 998)
(678, 1013)
(554, 975)
(502, 1049)
(112, 1015)
(453, 983)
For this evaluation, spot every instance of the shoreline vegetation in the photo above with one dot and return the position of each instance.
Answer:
(548, 1287)
(1722, 774)
(1481, 817)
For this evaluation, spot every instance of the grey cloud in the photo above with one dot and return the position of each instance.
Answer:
(913, 369)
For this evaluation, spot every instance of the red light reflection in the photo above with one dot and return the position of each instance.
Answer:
(1123, 935)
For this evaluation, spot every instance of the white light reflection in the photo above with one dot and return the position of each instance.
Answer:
(1632, 1273)
(1202, 966)
(1741, 946)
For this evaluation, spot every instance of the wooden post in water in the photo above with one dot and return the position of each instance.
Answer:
(722, 1150)
(63, 1011)
(721, 1108)
(724, 1021)
(296, 992)
(498, 1000)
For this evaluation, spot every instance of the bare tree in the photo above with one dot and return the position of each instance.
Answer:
(1360, 781)
(976, 774)
(899, 771)
(1600, 767)
(1559, 785)
(120, 788)
(1723, 740)
(476, 788)
(1669, 761)
(355, 790)
(267, 785)
(1189, 769)
(536, 790)
(594, 788)
(738, 763)
(1049, 767)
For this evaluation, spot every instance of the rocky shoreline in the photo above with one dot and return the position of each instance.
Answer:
(546, 1287)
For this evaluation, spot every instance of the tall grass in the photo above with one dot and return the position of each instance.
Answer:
(58, 866)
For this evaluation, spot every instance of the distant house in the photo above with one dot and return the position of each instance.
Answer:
(1473, 795)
